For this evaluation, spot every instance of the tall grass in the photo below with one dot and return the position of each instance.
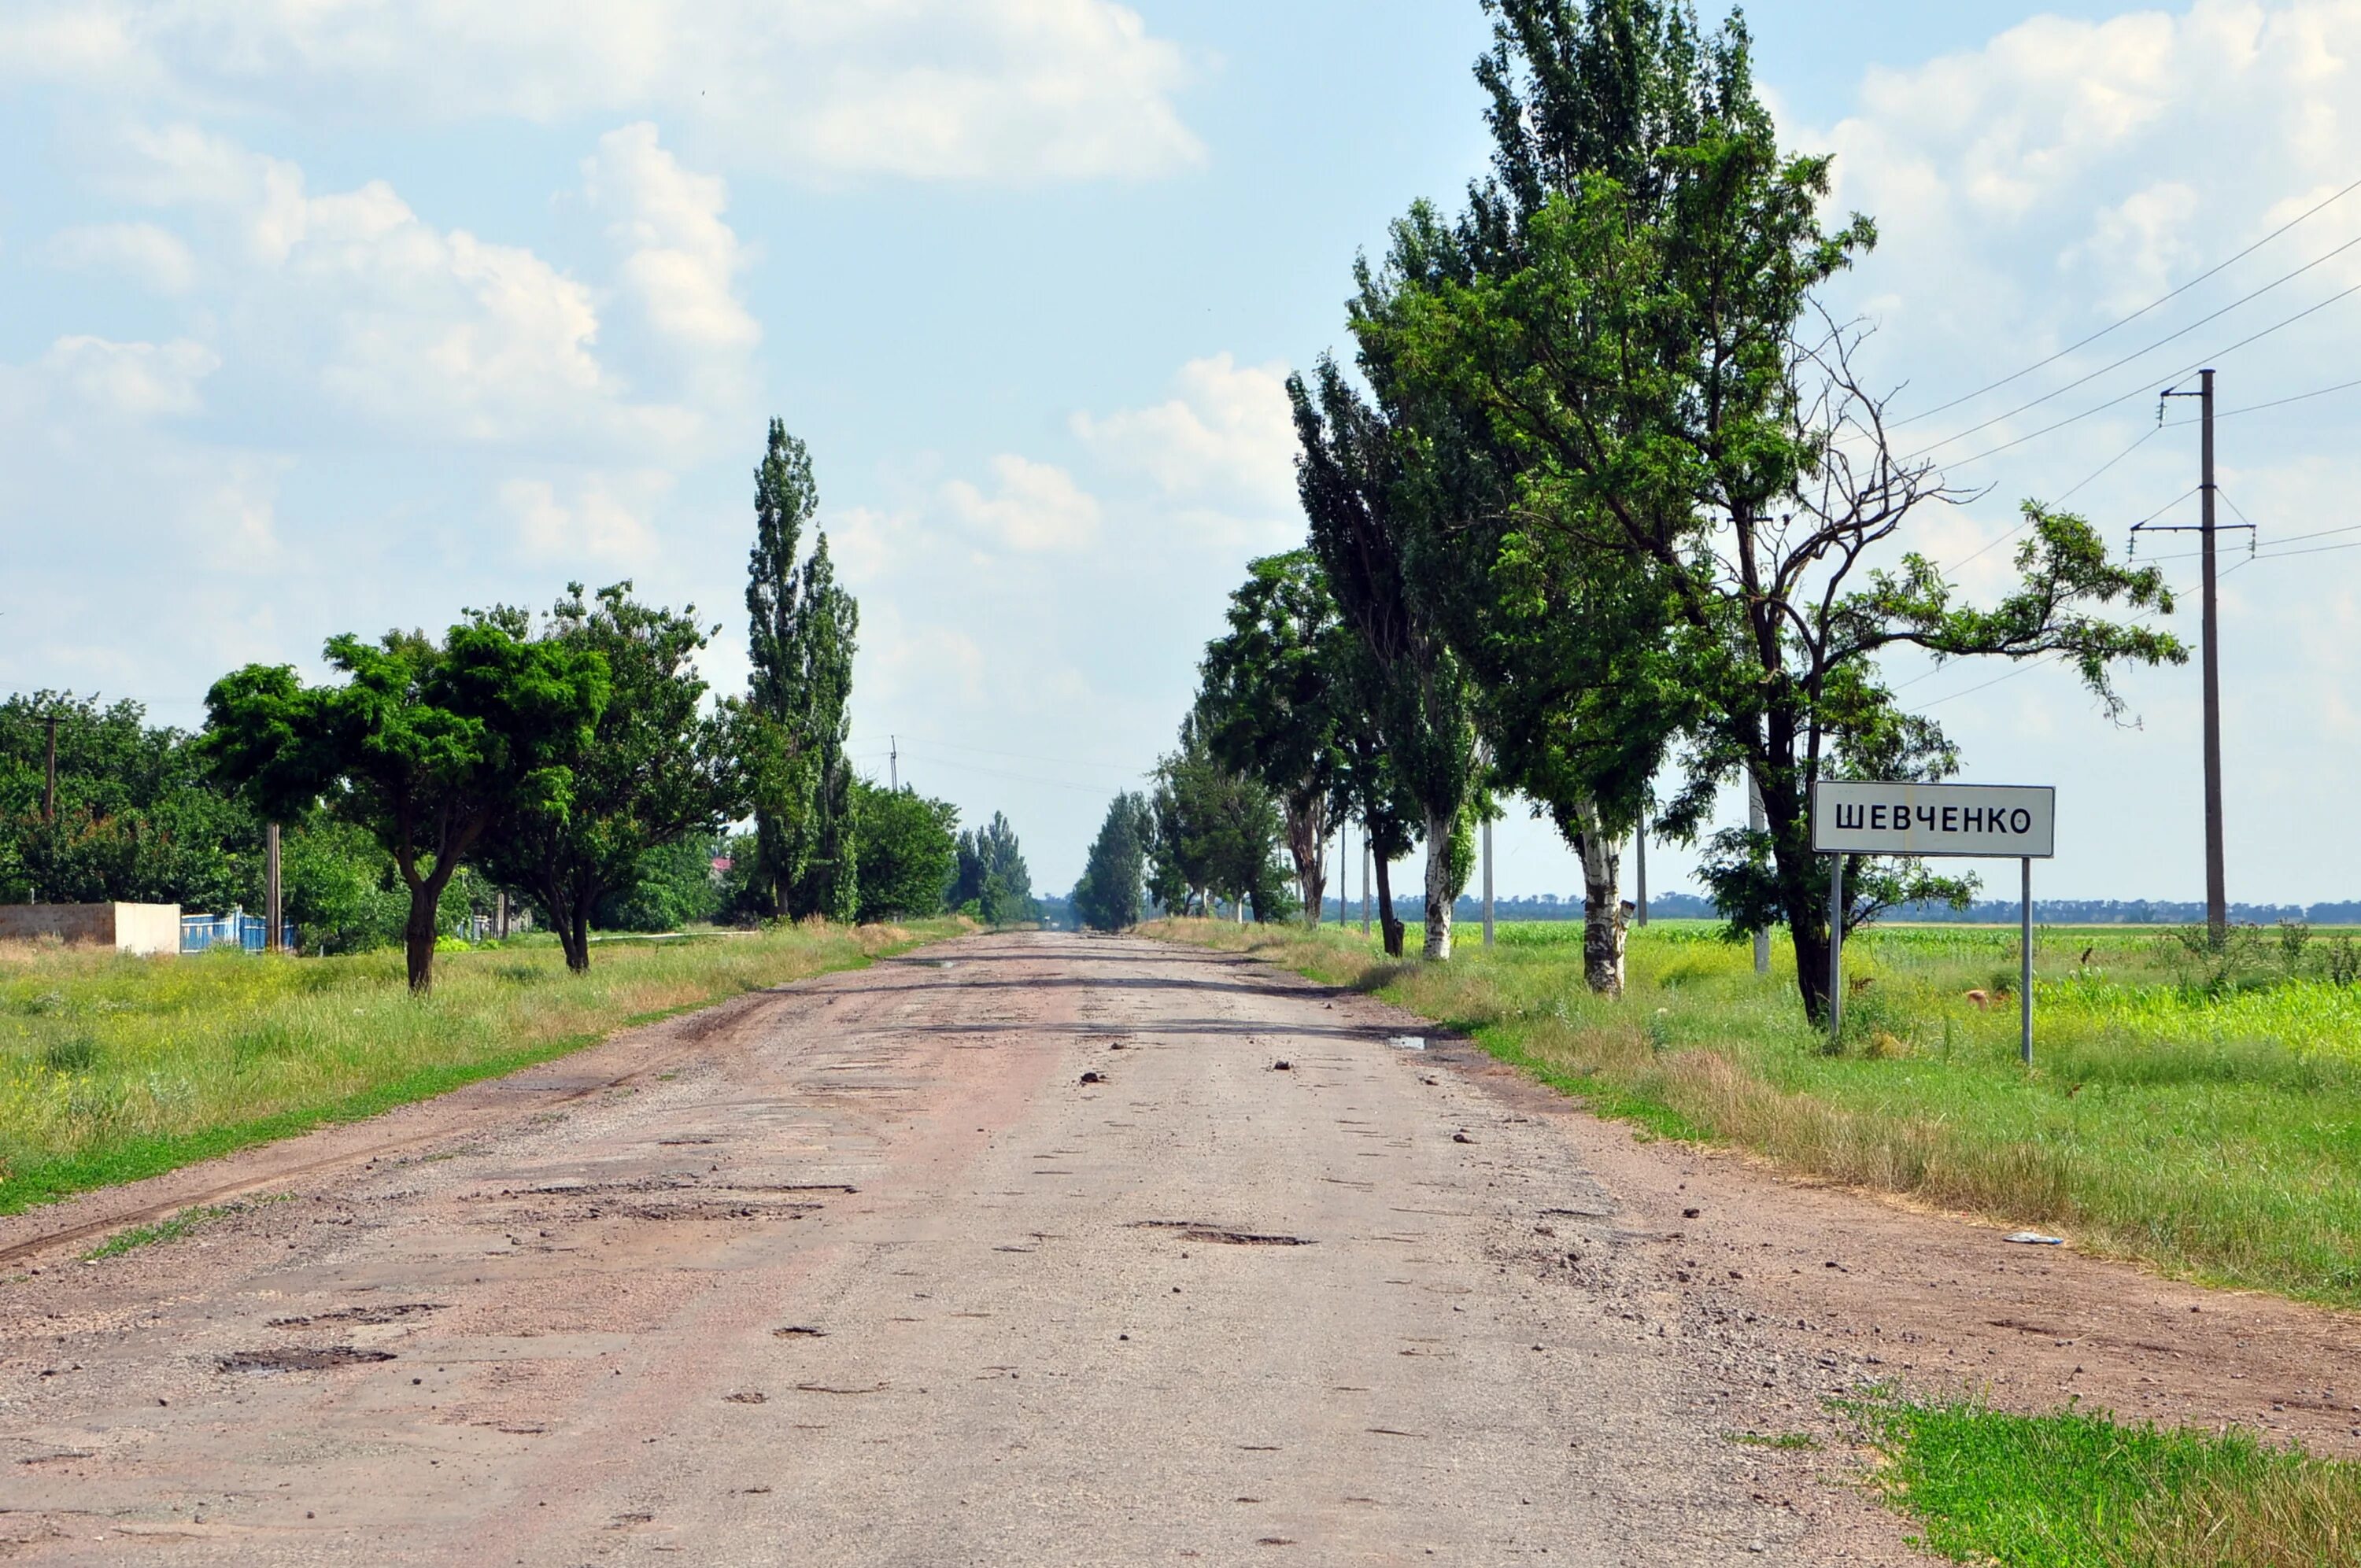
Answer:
(115, 1066)
(2204, 1123)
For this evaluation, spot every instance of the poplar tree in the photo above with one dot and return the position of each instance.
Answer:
(800, 644)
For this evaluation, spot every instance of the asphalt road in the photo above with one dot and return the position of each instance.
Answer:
(1023, 1250)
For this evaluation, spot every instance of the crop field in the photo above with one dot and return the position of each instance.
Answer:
(114, 1067)
(2199, 1112)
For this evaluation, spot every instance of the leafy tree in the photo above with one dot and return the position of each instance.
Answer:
(990, 883)
(1372, 517)
(1214, 834)
(801, 643)
(343, 894)
(136, 817)
(428, 746)
(1109, 897)
(1691, 441)
(909, 852)
(672, 886)
(1275, 691)
(655, 769)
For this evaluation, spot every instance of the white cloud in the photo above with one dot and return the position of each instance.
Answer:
(681, 261)
(154, 257)
(1227, 436)
(132, 379)
(1037, 507)
(924, 89)
(602, 518)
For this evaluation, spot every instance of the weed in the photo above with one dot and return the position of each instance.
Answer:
(176, 1226)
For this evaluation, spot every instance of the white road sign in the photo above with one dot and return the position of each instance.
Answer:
(1986, 821)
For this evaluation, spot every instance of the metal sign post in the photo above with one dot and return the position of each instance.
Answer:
(1966, 821)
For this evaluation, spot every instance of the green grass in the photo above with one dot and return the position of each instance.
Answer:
(2201, 1114)
(172, 1228)
(2078, 1490)
(115, 1068)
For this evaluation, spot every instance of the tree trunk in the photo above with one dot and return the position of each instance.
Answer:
(418, 934)
(578, 951)
(1438, 887)
(1386, 921)
(1602, 904)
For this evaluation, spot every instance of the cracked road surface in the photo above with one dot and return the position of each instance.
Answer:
(1021, 1250)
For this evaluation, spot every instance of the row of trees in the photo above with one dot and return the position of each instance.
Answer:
(574, 759)
(1604, 502)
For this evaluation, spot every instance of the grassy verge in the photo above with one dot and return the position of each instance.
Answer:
(2077, 1490)
(116, 1067)
(2203, 1119)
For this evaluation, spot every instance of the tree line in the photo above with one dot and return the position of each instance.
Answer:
(574, 760)
(1602, 514)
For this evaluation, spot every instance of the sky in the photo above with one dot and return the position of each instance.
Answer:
(331, 316)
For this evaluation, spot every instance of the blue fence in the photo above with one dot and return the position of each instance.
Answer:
(203, 933)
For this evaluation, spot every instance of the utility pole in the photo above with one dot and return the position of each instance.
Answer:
(1487, 882)
(894, 760)
(271, 902)
(1755, 822)
(1365, 879)
(49, 790)
(2217, 898)
(1640, 855)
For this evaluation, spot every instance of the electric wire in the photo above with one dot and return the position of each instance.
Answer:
(2153, 304)
(2137, 354)
(2142, 390)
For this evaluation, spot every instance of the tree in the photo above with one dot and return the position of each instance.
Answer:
(1109, 897)
(800, 644)
(135, 818)
(1371, 515)
(1272, 698)
(656, 767)
(1579, 700)
(672, 886)
(1689, 430)
(909, 852)
(827, 625)
(428, 746)
(1214, 833)
(991, 883)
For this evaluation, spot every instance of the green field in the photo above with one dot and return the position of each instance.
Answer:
(2199, 1112)
(115, 1068)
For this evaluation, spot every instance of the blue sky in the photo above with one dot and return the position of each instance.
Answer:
(329, 316)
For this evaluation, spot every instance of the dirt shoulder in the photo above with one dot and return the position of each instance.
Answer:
(1939, 1303)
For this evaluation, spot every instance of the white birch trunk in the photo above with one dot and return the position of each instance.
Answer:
(1438, 887)
(1602, 906)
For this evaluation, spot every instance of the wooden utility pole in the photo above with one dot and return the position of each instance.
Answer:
(273, 903)
(1487, 882)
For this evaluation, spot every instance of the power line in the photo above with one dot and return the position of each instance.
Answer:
(2142, 390)
(2153, 304)
(2280, 403)
(2140, 353)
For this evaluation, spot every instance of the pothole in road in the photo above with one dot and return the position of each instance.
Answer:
(319, 1358)
(1195, 1231)
(389, 1312)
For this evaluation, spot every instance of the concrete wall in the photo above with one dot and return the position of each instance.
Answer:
(127, 928)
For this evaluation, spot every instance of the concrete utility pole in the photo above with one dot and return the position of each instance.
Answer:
(49, 790)
(271, 903)
(2217, 898)
(1639, 856)
(1487, 882)
(1365, 879)
(893, 761)
(1755, 821)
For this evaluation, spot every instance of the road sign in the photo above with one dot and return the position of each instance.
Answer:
(1984, 821)
(1852, 816)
